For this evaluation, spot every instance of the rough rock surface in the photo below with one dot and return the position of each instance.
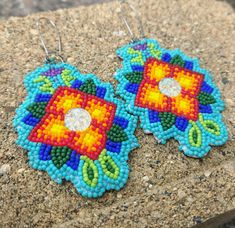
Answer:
(165, 188)
(25, 7)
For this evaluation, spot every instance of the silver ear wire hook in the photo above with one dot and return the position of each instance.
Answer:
(47, 52)
(137, 17)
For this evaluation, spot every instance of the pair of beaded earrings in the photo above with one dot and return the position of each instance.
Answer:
(75, 129)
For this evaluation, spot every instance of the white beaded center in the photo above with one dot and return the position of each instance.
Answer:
(169, 87)
(77, 119)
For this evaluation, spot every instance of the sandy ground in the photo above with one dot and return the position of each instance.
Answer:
(165, 188)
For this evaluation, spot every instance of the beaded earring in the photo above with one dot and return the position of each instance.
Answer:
(171, 94)
(73, 127)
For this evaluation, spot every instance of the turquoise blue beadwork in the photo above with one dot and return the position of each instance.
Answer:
(187, 132)
(41, 90)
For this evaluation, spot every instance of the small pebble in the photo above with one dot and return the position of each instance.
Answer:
(197, 219)
(21, 170)
(145, 178)
(225, 80)
(181, 194)
(119, 33)
(119, 195)
(207, 173)
(5, 169)
(230, 167)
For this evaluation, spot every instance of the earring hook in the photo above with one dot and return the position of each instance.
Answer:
(41, 37)
(137, 17)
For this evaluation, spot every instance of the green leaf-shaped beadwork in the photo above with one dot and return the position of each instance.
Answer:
(46, 86)
(37, 109)
(134, 77)
(109, 167)
(89, 172)
(177, 60)
(205, 98)
(167, 120)
(210, 126)
(195, 136)
(88, 87)
(60, 155)
(67, 77)
(117, 134)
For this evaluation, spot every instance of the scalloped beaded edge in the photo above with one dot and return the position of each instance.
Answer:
(134, 61)
(90, 177)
